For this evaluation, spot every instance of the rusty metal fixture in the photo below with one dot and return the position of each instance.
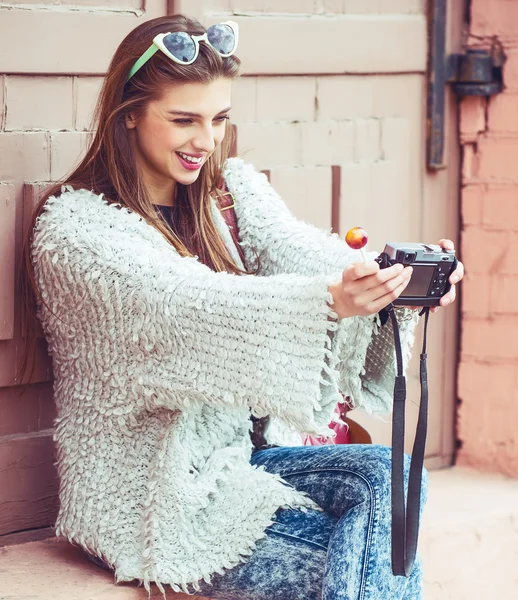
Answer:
(476, 72)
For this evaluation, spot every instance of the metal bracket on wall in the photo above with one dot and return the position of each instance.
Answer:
(477, 72)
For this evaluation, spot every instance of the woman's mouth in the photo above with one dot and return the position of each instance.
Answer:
(191, 163)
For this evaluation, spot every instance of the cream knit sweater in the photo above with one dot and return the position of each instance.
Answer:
(158, 362)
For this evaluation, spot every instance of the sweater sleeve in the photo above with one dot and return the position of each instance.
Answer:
(179, 331)
(290, 245)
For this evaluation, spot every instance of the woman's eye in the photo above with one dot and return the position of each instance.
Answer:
(222, 118)
(183, 121)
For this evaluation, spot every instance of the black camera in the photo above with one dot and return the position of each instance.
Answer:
(432, 267)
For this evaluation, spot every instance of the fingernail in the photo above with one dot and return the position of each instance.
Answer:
(446, 301)
(409, 271)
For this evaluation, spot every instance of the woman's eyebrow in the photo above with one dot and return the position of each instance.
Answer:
(183, 113)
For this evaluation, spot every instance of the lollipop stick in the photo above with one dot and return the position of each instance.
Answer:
(364, 256)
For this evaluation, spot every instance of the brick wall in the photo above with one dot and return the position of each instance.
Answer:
(488, 376)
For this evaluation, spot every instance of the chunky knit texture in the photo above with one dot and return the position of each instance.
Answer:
(158, 362)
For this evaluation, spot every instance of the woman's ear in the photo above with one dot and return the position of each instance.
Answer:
(131, 121)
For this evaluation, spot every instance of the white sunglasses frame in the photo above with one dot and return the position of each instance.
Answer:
(158, 44)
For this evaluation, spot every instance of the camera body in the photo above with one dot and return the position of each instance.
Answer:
(432, 267)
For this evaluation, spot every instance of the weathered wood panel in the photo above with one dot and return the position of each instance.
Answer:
(29, 483)
(7, 259)
(26, 409)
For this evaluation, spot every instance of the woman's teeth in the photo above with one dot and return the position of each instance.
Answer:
(191, 159)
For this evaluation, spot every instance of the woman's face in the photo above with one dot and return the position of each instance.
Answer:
(179, 131)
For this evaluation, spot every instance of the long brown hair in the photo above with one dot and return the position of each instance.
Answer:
(109, 166)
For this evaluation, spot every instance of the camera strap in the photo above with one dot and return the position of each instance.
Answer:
(405, 517)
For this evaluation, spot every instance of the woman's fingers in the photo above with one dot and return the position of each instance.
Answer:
(449, 297)
(385, 300)
(458, 274)
(387, 291)
(360, 270)
(447, 244)
(363, 277)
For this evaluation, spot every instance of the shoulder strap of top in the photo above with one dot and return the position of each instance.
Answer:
(226, 204)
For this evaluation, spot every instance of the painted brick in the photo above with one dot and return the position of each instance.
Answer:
(246, 6)
(476, 431)
(269, 144)
(510, 69)
(509, 264)
(244, 100)
(2, 102)
(388, 187)
(500, 207)
(7, 261)
(86, 91)
(52, 111)
(402, 7)
(484, 251)
(476, 292)
(472, 204)
(327, 143)
(490, 340)
(288, 6)
(24, 157)
(221, 5)
(472, 118)
(307, 192)
(497, 156)
(473, 379)
(494, 18)
(332, 6)
(285, 98)
(503, 113)
(394, 139)
(345, 96)
(504, 295)
(66, 150)
(361, 6)
(470, 163)
(367, 137)
(395, 95)
(354, 196)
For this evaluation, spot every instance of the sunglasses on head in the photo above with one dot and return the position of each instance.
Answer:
(184, 48)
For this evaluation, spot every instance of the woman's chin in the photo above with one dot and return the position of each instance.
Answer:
(186, 178)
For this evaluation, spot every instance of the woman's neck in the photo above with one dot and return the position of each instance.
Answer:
(160, 191)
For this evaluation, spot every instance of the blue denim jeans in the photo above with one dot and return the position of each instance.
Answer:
(342, 553)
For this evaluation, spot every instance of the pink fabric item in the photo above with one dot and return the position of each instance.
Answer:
(338, 425)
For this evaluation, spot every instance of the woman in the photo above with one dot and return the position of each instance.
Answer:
(166, 338)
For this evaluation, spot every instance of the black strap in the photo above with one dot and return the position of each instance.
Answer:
(405, 517)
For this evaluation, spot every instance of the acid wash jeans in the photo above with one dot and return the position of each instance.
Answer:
(343, 553)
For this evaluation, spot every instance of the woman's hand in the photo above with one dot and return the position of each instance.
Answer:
(365, 288)
(455, 277)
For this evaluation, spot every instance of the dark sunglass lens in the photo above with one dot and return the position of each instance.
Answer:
(180, 45)
(221, 38)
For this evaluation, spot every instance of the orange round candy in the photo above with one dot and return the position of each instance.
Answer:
(356, 238)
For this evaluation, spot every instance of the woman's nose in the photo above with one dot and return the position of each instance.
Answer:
(204, 140)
